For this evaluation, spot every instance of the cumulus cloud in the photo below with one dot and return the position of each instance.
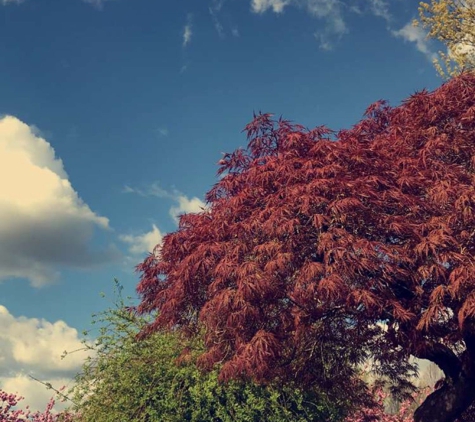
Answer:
(143, 243)
(44, 224)
(418, 36)
(35, 394)
(185, 206)
(31, 346)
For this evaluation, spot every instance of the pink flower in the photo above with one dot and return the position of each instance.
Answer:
(8, 414)
(378, 414)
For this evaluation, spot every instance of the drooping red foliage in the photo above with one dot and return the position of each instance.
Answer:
(363, 242)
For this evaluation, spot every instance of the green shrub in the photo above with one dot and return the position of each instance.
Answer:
(147, 382)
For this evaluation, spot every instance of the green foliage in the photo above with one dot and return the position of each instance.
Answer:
(148, 381)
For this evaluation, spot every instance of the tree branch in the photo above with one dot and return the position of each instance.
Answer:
(468, 334)
(443, 357)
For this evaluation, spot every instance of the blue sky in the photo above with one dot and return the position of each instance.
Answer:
(114, 114)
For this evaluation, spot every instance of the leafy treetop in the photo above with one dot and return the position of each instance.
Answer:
(361, 242)
(452, 22)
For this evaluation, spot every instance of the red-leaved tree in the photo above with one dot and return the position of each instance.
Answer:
(319, 249)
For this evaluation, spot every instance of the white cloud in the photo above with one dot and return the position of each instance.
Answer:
(331, 12)
(429, 373)
(261, 6)
(418, 36)
(183, 204)
(380, 8)
(5, 2)
(217, 24)
(31, 346)
(36, 395)
(44, 224)
(221, 28)
(32, 342)
(328, 10)
(187, 31)
(334, 30)
(143, 243)
(153, 190)
(335, 26)
(217, 5)
(467, 46)
(324, 8)
(464, 48)
(186, 205)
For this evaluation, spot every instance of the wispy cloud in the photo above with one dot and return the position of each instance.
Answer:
(217, 24)
(330, 11)
(334, 29)
(418, 36)
(380, 8)
(44, 224)
(182, 203)
(187, 31)
(98, 4)
(163, 131)
(215, 11)
(153, 190)
(261, 6)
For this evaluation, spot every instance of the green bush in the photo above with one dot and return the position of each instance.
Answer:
(147, 382)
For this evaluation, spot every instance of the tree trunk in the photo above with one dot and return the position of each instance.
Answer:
(447, 403)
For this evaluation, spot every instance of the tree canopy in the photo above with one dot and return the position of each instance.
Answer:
(453, 23)
(360, 242)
